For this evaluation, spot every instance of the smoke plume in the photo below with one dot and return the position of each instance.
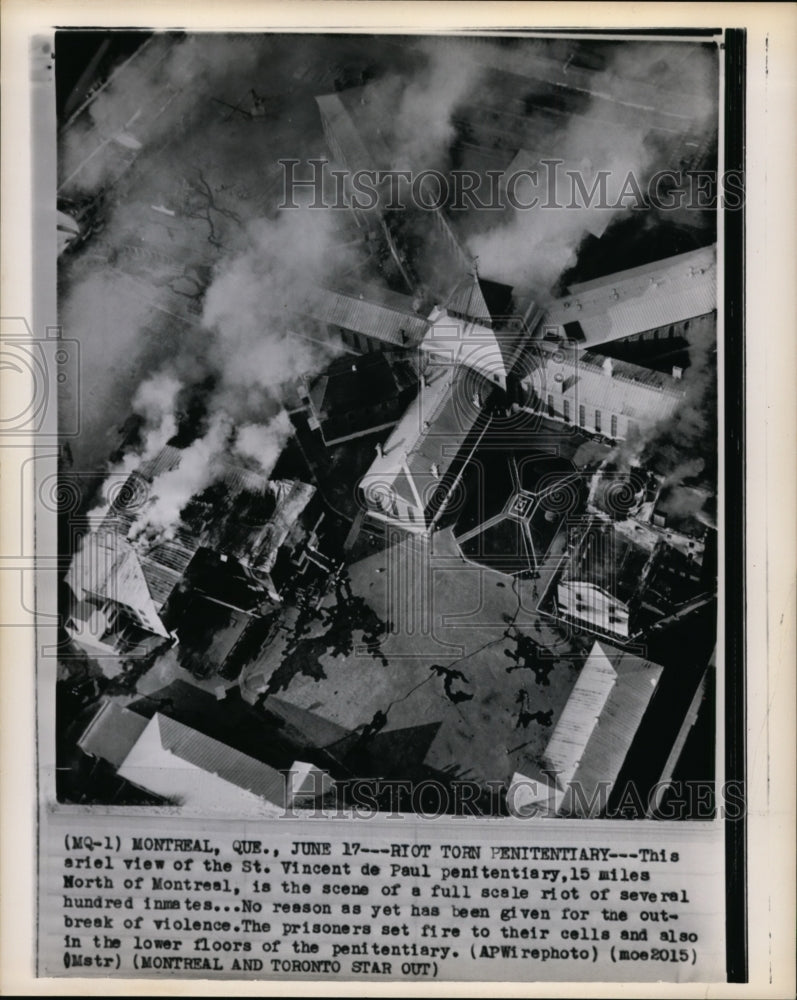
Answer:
(613, 133)
(190, 271)
(422, 129)
(170, 492)
(262, 443)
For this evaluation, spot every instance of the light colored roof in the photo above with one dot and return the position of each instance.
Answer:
(107, 567)
(172, 759)
(489, 352)
(533, 793)
(580, 716)
(601, 718)
(431, 433)
(631, 302)
(387, 323)
(702, 258)
(112, 733)
(345, 132)
(598, 383)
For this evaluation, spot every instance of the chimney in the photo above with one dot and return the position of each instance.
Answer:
(677, 373)
(608, 368)
(380, 453)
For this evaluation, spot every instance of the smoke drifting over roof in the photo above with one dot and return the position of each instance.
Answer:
(623, 129)
(187, 283)
(183, 290)
(421, 131)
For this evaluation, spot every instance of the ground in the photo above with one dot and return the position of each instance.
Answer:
(443, 656)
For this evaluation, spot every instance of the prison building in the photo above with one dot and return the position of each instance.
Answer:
(594, 733)
(476, 328)
(373, 320)
(620, 578)
(255, 535)
(344, 120)
(165, 757)
(272, 544)
(118, 595)
(526, 102)
(359, 396)
(600, 584)
(352, 121)
(480, 300)
(600, 395)
(665, 300)
(419, 468)
(123, 592)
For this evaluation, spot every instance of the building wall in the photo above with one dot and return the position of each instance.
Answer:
(696, 327)
(385, 504)
(577, 410)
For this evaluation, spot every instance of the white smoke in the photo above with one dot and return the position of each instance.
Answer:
(134, 293)
(422, 129)
(171, 490)
(613, 134)
(258, 344)
(263, 443)
(156, 401)
(156, 95)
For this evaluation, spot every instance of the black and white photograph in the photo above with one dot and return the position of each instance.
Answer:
(397, 462)
(400, 490)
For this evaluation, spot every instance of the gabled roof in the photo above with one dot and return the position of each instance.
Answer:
(427, 441)
(490, 352)
(601, 718)
(596, 382)
(172, 759)
(630, 302)
(481, 300)
(386, 322)
(346, 134)
(112, 733)
(108, 567)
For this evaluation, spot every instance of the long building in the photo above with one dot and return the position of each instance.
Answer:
(176, 762)
(663, 300)
(126, 593)
(412, 477)
(592, 737)
(597, 393)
